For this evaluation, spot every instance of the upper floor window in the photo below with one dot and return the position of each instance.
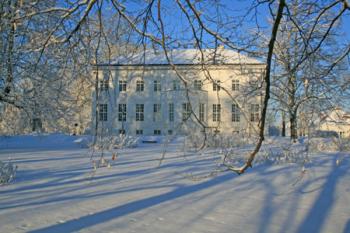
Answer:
(216, 112)
(198, 84)
(235, 85)
(254, 112)
(122, 85)
(176, 85)
(157, 85)
(121, 112)
(102, 112)
(140, 112)
(140, 85)
(235, 113)
(186, 111)
(103, 85)
(216, 85)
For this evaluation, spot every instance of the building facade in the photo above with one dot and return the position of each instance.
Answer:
(337, 121)
(147, 94)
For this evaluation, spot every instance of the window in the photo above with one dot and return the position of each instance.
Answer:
(156, 112)
(139, 132)
(176, 85)
(122, 131)
(235, 85)
(171, 111)
(121, 112)
(102, 112)
(140, 112)
(216, 112)
(157, 86)
(186, 111)
(104, 85)
(140, 85)
(122, 85)
(254, 83)
(156, 132)
(235, 113)
(201, 112)
(254, 112)
(197, 84)
(216, 85)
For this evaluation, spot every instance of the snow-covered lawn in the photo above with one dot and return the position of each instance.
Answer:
(54, 191)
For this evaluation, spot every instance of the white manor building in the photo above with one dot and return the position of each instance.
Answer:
(144, 94)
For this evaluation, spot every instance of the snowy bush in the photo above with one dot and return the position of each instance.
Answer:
(125, 141)
(115, 142)
(217, 140)
(288, 153)
(7, 172)
(329, 144)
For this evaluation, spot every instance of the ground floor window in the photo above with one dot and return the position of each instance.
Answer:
(122, 131)
(156, 132)
(139, 132)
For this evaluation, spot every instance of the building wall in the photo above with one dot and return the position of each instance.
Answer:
(249, 81)
(342, 129)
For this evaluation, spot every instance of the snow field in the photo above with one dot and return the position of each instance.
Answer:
(55, 191)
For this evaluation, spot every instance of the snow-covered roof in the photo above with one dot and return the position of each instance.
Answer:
(185, 57)
(337, 115)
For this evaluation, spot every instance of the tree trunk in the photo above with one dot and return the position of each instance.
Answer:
(293, 126)
(283, 124)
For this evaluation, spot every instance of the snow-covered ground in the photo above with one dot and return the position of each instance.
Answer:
(55, 190)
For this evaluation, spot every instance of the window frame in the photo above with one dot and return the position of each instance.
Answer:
(122, 85)
(186, 111)
(139, 132)
(157, 87)
(140, 112)
(156, 112)
(140, 85)
(103, 85)
(201, 113)
(254, 112)
(122, 112)
(216, 112)
(236, 113)
(171, 112)
(157, 132)
(198, 84)
(235, 85)
(216, 85)
(103, 112)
